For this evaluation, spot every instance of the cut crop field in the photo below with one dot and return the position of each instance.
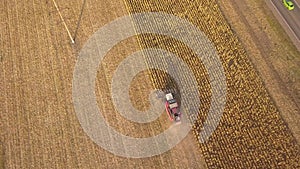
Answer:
(38, 124)
(39, 127)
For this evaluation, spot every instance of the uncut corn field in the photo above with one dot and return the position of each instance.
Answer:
(39, 126)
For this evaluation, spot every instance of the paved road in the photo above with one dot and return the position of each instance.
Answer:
(290, 19)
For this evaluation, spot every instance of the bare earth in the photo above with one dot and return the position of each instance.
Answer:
(38, 124)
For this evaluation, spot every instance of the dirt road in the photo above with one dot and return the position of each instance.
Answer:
(288, 19)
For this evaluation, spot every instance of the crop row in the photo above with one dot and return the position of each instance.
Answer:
(251, 131)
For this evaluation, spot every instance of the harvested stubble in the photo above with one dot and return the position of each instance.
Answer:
(39, 128)
(252, 133)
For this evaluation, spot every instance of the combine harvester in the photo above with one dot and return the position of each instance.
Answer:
(172, 108)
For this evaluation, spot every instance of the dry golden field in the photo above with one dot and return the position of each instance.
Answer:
(39, 127)
(251, 122)
(271, 52)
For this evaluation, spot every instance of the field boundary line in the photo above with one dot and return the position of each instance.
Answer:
(72, 40)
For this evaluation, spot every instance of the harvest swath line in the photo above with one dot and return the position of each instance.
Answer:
(72, 40)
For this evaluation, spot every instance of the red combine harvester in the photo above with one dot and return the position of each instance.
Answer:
(172, 108)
